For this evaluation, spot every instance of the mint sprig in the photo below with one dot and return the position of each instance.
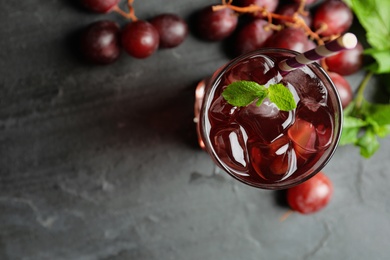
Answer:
(362, 127)
(242, 93)
(366, 122)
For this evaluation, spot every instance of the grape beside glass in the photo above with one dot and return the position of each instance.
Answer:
(263, 146)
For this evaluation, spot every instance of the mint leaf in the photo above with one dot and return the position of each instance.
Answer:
(368, 143)
(364, 125)
(383, 131)
(380, 113)
(382, 58)
(261, 99)
(282, 97)
(379, 130)
(351, 128)
(349, 136)
(374, 17)
(242, 93)
(353, 122)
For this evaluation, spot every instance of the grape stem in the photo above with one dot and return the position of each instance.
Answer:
(286, 215)
(294, 20)
(360, 92)
(128, 15)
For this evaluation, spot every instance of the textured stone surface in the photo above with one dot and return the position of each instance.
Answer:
(102, 163)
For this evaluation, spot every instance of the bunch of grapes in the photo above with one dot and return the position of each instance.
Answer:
(298, 25)
(102, 41)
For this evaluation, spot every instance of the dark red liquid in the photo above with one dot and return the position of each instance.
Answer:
(266, 147)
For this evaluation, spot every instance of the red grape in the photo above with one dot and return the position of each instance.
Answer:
(346, 62)
(171, 28)
(252, 36)
(289, 38)
(216, 25)
(290, 10)
(311, 195)
(269, 5)
(100, 42)
(140, 39)
(343, 87)
(100, 6)
(336, 15)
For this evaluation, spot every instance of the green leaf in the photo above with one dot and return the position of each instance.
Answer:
(353, 122)
(349, 136)
(380, 113)
(351, 128)
(242, 93)
(348, 2)
(382, 58)
(282, 97)
(383, 131)
(261, 99)
(374, 17)
(362, 126)
(368, 143)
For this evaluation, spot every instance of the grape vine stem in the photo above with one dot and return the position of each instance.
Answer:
(360, 92)
(128, 15)
(294, 20)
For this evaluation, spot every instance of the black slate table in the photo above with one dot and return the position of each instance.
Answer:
(101, 162)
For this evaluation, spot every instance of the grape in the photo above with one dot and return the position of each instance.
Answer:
(346, 62)
(311, 195)
(171, 28)
(140, 39)
(336, 15)
(307, 2)
(100, 6)
(343, 87)
(269, 5)
(290, 10)
(289, 38)
(252, 36)
(100, 42)
(216, 25)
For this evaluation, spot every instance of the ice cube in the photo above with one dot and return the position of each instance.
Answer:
(253, 69)
(308, 86)
(265, 120)
(274, 161)
(311, 103)
(222, 111)
(256, 159)
(324, 135)
(266, 109)
(322, 121)
(303, 134)
(230, 145)
(284, 165)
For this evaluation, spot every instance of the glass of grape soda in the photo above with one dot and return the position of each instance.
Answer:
(261, 145)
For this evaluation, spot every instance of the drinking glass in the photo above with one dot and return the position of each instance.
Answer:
(263, 146)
